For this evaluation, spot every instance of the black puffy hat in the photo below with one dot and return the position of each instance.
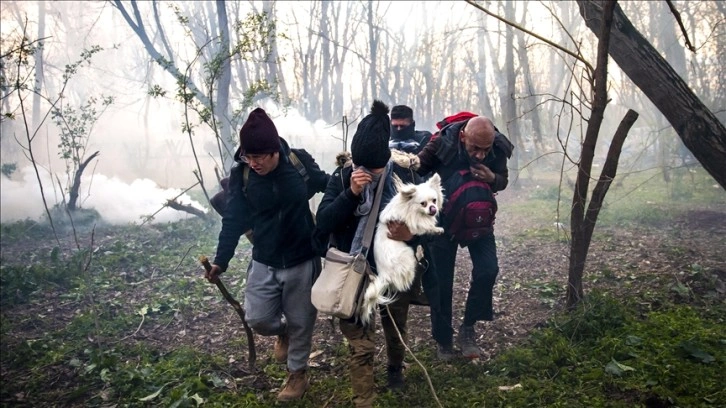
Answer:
(369, 147)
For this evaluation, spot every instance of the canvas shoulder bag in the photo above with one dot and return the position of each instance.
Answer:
(339, 289)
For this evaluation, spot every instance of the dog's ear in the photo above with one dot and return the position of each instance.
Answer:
(435, 183)
(407, 190)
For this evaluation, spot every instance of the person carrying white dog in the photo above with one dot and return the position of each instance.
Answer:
(343, 211)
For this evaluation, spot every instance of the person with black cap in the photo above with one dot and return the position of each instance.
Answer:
(343, 212)
(269, 196)
(404, 136)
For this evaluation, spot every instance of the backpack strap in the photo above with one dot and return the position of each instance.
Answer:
(245, 178)
(298, 166)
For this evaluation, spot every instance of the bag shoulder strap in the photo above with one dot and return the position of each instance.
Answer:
(373, 216)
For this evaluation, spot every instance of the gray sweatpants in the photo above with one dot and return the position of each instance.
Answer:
(273, 293)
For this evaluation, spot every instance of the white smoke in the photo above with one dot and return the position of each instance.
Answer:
(117, 202)
(125, 186)
(322, 140)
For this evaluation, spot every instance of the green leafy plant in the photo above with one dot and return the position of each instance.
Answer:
(76, 126)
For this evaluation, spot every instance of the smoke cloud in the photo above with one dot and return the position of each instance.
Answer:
(116, 201)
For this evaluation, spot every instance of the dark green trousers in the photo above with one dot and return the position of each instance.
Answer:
(362, 343)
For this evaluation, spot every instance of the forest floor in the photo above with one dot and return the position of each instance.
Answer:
(628, 259)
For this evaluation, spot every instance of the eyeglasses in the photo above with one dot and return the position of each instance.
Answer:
(256, 158)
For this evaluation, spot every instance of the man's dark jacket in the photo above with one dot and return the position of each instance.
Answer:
(275, 207)
(445, 154)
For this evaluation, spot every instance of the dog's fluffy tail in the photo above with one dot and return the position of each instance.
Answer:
(375, 295)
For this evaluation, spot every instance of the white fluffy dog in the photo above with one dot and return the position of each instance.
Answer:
(415, 205)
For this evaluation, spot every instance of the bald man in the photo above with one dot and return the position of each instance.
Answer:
(475, 145)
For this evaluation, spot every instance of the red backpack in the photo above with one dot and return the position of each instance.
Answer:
(457, 117)
(469, 209)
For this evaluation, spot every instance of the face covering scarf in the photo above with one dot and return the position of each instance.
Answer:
(403, 134)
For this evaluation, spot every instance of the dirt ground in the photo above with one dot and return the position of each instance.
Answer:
(530, 288)
(531, 282)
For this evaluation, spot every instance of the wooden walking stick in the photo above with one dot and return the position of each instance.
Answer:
(240, 311)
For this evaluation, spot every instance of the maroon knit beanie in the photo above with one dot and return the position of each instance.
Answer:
(258, 134)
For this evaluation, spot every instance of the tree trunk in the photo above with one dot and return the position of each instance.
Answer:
(137, 25)
(325, 64)
(39, 67)
(75, 188)
(344, 36)
(483, 58)
(498, 74)
(509, 103)
(702, 133)
(580, 243)
(221, 108)
(532, 98)
(373, 42)
(276, 76)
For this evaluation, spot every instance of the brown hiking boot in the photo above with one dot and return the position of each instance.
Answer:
(281, 345)
(295, 386)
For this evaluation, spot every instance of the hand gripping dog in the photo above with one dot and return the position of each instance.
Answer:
(416, 206)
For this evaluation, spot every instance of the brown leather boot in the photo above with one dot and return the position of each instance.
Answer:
(295, 386)
(281, 345)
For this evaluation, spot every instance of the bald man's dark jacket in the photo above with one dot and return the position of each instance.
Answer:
(445, 154)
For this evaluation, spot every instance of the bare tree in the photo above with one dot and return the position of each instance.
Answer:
(343, 32)
(204, 82)
(509, 102)
(39, 65)
(325, 62)
(275, 76)
(305, 47)
(582, 222)
(16, 71)
(702, 133)
(530, 93)
(482, 62)
(583, 215)
(373, 38)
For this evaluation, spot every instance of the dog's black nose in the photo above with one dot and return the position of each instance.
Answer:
(432, 210)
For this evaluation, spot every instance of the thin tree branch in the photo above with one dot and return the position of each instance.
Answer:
(30, 141)
(151, 217)
(677, 15)
(608, 173)
(524, 30)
